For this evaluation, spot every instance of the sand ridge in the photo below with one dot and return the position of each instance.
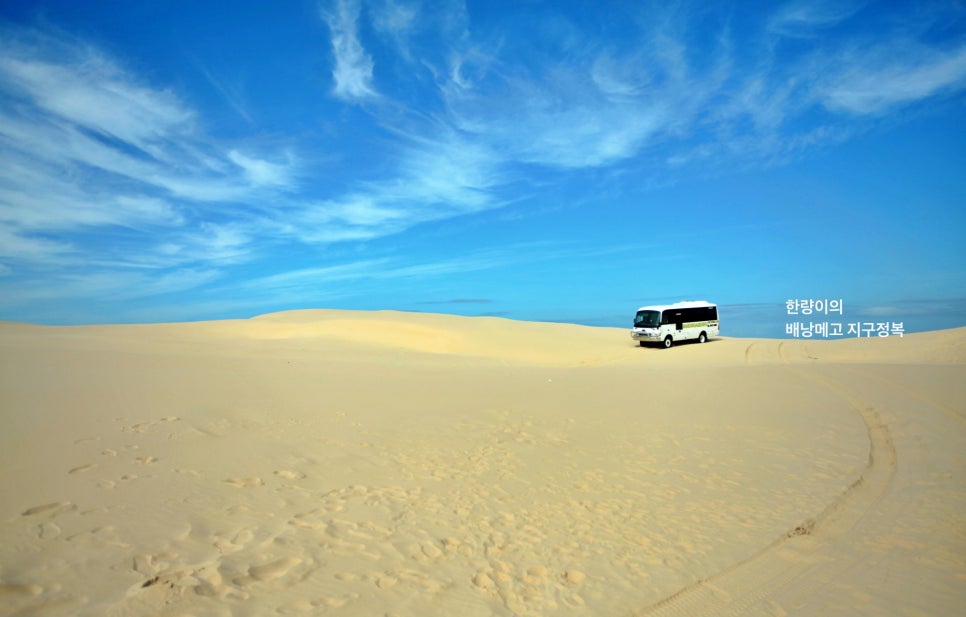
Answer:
(347, 463)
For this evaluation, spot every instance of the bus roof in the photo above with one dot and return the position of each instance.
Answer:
(688, 304)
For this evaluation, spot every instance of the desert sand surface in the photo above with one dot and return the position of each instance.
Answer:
(387, 463)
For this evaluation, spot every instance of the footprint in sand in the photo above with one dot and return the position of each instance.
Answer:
(234, 543)
(572, 578)
(268, 572)
(53, 509)
(573, 601)
(335, 601)
(386, 581)
(275, 569)
(246, 482)
(17, 589)
(48, 530)
(535, 575)
(430, 550)
(289, 474)
(482, 580)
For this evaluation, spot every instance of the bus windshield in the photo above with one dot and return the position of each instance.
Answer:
(647, 319)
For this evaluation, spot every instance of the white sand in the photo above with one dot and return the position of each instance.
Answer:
(343, 463)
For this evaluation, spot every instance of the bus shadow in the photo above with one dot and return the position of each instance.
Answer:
(661, 347)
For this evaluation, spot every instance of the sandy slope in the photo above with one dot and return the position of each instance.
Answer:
(328, 462)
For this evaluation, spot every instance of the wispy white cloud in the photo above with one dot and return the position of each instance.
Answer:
(597, 106)
(93, 93)
(353, 66)
(260, 172)
(437, 178)
(87, 148)
(303, 278)
(209, 243)
(115, 286)
(400, 267)
(807, 18)
(20, 245)
(104, 286)
(397, 21)
(563, 119)
(34, 198)
(232, 93)
(881, 79)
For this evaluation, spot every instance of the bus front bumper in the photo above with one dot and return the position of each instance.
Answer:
(644, 334)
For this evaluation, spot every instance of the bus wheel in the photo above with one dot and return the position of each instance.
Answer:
(668, 341)
(643, 344)
(702, 338)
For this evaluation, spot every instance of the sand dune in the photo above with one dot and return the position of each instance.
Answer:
(385, 463)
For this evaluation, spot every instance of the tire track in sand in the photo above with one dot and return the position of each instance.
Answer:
(795, 560)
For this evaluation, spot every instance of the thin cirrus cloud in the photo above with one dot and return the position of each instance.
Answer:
(340, 280)
(568, 123)
(806, 19)
(601, 104)
(92, 93)
(884, 79)
(438, 177)
(87, 146)
(108, 286)
(608, 104)
(352, 72)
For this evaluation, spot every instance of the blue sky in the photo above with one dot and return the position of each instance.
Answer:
(557, 161)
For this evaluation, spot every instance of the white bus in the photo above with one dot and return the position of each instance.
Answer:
(675, 322)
